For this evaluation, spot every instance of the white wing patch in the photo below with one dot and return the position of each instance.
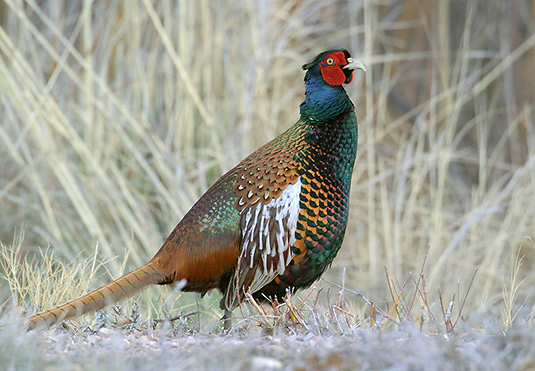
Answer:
(268, 233)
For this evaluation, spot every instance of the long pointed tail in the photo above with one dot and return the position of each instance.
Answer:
(111, 293)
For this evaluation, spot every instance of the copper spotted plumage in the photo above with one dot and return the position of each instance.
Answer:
(275, 221)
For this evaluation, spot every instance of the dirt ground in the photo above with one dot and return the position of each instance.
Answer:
(402, 349)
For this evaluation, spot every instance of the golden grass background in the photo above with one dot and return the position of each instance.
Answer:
(116, 116)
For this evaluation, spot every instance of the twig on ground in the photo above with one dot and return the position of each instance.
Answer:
(391, 290)
(419, 277)
(362, 297)
(465, 296)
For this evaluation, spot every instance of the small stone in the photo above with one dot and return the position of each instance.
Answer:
(93, 339)
(266, 363)
(104, 331)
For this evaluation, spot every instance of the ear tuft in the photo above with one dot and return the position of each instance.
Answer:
(320, 57)
(308, 65)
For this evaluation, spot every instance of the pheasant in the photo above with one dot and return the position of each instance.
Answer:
(275, 221)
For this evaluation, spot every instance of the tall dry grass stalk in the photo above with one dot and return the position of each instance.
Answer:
(116, 116)
(44, 281)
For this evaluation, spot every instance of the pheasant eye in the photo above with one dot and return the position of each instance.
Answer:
(330, 61)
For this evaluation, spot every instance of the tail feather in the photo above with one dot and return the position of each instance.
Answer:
(111, 293)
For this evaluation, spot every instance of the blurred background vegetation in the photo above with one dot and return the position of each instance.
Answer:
(117, 115)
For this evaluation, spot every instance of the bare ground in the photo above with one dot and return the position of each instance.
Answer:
(404, 348)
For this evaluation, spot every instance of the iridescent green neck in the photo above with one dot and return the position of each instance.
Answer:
(323, 102)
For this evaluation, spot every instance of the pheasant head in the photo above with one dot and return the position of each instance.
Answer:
(325, 96)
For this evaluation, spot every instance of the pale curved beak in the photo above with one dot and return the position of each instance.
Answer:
(353, 64)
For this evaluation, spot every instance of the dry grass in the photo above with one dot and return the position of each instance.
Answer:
(43, 281)
(116, 116)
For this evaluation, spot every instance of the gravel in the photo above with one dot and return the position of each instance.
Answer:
(404, 348)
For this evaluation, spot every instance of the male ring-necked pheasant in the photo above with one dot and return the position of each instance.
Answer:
(273, 222)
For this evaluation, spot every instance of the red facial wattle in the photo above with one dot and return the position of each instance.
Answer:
(331, 69)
